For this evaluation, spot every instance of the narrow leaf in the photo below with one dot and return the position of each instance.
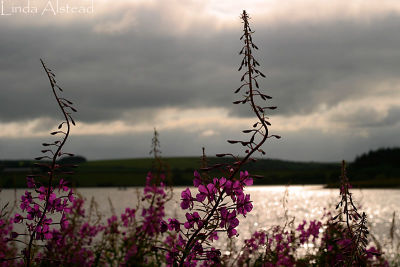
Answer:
(72, 120)
(267, 96)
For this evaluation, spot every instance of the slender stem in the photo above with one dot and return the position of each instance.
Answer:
(191, 243)
(52, 168)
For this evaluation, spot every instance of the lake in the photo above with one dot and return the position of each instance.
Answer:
(302, 202)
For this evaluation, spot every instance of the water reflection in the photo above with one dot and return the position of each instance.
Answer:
(272, 205)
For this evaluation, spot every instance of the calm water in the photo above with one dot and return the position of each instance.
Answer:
(302, 202)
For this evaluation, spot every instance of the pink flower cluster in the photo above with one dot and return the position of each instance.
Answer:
(141, 235)
(6, 249)
(153, 215)
(38, 223)
(71, 243)
(312, 230)
(213, 209)
(121, 241)
(278, 246)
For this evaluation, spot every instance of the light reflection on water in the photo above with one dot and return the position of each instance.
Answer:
(302, 202)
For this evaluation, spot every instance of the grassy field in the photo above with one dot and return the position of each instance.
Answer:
(132, 172)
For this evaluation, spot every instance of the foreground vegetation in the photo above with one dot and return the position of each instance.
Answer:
(59, 231)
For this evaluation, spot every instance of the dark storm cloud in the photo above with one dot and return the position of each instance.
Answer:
(371, 118)
(105, 74)
(147, 66)
(392, 118)
(330, 61)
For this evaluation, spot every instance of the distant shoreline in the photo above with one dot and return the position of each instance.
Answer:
(132, 173)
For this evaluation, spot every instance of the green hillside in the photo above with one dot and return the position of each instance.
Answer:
(132, 172)
(378, 168)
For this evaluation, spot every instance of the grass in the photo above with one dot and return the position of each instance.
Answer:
(132, 172)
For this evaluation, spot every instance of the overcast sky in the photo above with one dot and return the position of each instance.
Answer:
(129, 66)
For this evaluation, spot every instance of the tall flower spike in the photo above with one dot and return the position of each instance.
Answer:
(253, 95)
(52, 152)
(160, 168)
(229, 186)
(356, 228)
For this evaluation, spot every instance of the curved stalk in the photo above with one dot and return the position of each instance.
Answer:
(260, 115)
(52, 168)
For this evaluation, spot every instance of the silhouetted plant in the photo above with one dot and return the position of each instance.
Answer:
(43, 200)
(354, 239)
(204, 166)
(155, 145)
(217, 214)
(251, 95)
(159, 166)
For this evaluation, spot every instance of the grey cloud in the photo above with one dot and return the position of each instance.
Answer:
(106, 75)
(391, 118)
(368, 117)
(148, 67)
(329, 61)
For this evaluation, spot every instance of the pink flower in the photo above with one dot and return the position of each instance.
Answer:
(63, 185)
(174, 224)
(213, 236)
(30, 182)
(71, 196)
(18, 218)
(186, 199)
(33, 212)
(192, 219)
(206, 192)
(244, 204)
(197, 179)
(42, 193)
(26, 200)
(64, 222)
(231, 232)
(163, 226)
